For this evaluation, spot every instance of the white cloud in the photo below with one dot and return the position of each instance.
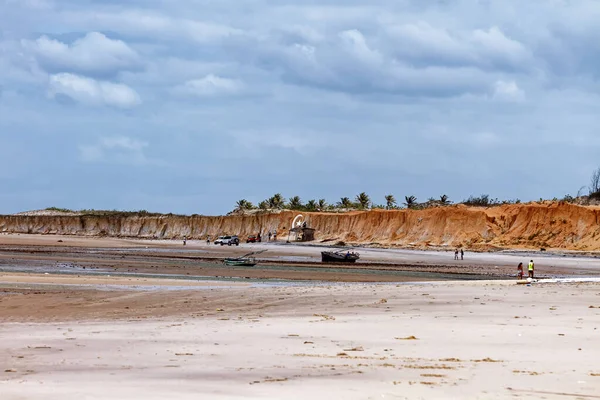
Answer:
(494, 44)
(94, 53)
(351, 65)
(355, 42)
(32, 4)
(303, 142)
(486, 139)
(210, 85)
(158, 25)
(92, 92)
(489, 49)
(508, 91)
(119, 149)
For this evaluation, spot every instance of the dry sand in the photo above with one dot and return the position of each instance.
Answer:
(484, 340)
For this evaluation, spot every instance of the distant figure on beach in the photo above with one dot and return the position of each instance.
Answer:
(208, 239)
(269, 236)
(456, 254)
(530, 269)
(462, 254)
(520, 271)
(184, 240)
(275, 235)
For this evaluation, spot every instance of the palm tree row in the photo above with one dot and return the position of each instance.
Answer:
(362, 201)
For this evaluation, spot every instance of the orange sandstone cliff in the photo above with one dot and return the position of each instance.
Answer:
(533, 225)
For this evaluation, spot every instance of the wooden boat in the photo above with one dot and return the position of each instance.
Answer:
(243, 261)
(236, 262)
(341, 256)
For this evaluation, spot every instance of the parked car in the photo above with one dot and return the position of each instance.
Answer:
(229, 240)
(219, 240)
(253, 239)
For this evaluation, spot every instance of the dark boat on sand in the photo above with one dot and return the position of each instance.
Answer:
(341, 256)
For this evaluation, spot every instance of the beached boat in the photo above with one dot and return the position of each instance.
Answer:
(243, 261)
(339, 256)
(236, 262)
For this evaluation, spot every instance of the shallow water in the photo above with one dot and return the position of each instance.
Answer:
(73, 269)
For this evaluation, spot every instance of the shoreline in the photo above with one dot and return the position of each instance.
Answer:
(35, 239)
(281, 261)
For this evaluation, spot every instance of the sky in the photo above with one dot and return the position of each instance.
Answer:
(188, 106)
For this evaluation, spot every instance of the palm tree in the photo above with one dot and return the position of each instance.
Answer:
(444, 199)
(263, 205)
(344, 203)
(277, 201)
(311, 205)
(363, 200)
(410, 201)
(390, 201)
(295, 203)
(243, 204)
(321, 204)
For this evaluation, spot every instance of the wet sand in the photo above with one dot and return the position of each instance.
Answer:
(280, 261)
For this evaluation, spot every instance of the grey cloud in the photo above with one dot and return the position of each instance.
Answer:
(406, 97)
(349, 63)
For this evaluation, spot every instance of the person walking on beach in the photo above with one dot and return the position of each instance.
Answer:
(456, 254)
(269, 236)
(520, 271)
(530, 269)
(184, 240)
(462, 254)
(208, 239)
(275, 235)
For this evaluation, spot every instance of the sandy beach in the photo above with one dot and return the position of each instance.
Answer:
(450, 340)
(74, 334)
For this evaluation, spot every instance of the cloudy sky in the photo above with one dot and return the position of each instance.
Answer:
(187, 106)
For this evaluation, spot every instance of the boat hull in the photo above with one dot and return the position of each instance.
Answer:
(332, 257)
(240, 263)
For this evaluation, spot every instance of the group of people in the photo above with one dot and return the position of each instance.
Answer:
(530, 268)
(462, 254)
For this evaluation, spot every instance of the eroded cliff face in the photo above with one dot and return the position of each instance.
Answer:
(550, 225)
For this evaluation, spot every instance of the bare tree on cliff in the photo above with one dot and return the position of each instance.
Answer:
(390, 201)
(277, 201)
(295, 203)
(595, 184)
(410, 201)
(363, 200)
